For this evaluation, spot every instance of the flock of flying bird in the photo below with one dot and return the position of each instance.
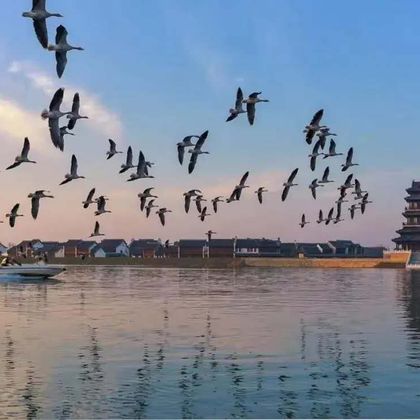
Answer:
(57, 131)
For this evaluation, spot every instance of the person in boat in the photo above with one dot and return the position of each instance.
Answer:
(8, 261)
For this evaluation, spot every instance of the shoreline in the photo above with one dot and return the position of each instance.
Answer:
(224, 263)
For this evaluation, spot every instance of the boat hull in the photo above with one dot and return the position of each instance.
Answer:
(31, 271)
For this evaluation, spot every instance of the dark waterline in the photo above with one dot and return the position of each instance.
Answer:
(129, 342)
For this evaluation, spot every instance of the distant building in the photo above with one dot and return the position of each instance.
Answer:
(146, 248)
(346, 248)
(373, 251)
(257, 248)
(51, 249)
(111, 248)
(25, 248)
(409, 238)
(70, 247)
(84, 248)
(3, 248)
(191, 248)
(220, 248)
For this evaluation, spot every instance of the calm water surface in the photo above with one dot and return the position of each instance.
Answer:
(128, 342)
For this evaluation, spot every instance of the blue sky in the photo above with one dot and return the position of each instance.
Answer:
(164, 69)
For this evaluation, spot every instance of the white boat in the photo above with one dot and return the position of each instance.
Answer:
(42, 271)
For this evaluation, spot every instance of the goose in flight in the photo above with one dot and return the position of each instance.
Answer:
(149, 207)
(364, 203)
(74, 115)
(73, 172)
(89, 199)
(338, 218)
(35, 198)
(320, 217)
(233, 196)
(347, 183)
(313, 186)
(287, 185)
(23, 157)
(250, 105)
(64, 132)
(147, 193)
(101, 202)
(186, 142)
(128, 161)
(315, 153)
(209, 234)
(187, 198)
(358, 190)
(325, 176)
(314, 126)
(61, 48)
(53, 115)
(197, 151)
(234, 112)
(343, 193)
(142, 171)
(112, 149)
(203, 214)
(198, 199)
(161, 213)
(331, 150)
(214, 201)
(39, 15)
(329, 216)
(303, 221)
(241, 185)
(260, 192)
(349, 161)
(13, 214)
(352, 210)
(96, 231)
(322, 135)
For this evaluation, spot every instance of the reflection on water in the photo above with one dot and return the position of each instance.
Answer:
(135, 343)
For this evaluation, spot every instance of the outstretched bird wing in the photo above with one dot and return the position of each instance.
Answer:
(193, 161)
(26, 147)
(187, 202)
(326, 173)
(89, 198)
(13, 165)
(56, 100)
(244, 178)
(293, 175)
(214, 206)
(250, 111)
(61, 59)
(181, 151)
(239, 99)
(40, 27)
(284, 193)
(73, 167)
(162, 218)
(34, 206)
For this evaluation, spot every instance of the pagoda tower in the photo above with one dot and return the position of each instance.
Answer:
(409, 238)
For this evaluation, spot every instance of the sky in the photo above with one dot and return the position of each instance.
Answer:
(153, 72)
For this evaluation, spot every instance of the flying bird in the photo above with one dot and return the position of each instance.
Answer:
(331, 150)
(35, 198)
(89, 199)
(325, 176)
(149, 207)
(39, 15)
(349, 161)
(74, 115)
(260, 192)
(96, 231)
(128, 161)
(287, 185)
(313, 126)
(197, 151)
(203, 214)
(187, 198)
(64, 132)
(352, 210)
(358, 190)
(329, 216)
(198, 199)
(322, 134)
(161, 213)
(144, 196)
(347, 183)
(364, 203)
(73, 172)
(338, 215)
(250, 105)
(313, 186)
(142, 171)
(315, 153)
(320, 217)
(13, 215)
(234, 112)
(61, 48)
(303, 221)
(23, 157)
(53, 115)
(241, 185)
(186, 142)
(101, 202)
(112, 149)
(343, 193)
(216, 200)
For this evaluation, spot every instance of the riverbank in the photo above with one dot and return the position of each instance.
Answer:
(237, 262)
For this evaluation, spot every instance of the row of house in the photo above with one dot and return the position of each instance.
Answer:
(151, 248)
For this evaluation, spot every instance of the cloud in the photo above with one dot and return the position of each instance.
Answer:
(101, 118)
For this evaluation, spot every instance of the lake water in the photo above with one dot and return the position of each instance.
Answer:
(129, 342)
